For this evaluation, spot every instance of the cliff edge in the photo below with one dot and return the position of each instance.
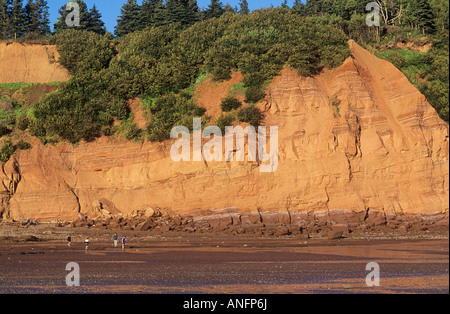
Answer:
(30, 63)
(359, 141)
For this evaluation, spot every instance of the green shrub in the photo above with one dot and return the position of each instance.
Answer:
(305, 59)
(255, 79)
(230, 103)
(168, 111)
(158, 130)
(23, 145)
(396, 59)
(22, 122)
(37, 129)
(436, 87)
(250, 114)
(4, 130)
(225, 120)
(254, 94)
(67, 114)
(131, 131)
(78, 110)
(84, 50)
(335, 102)
(107, 130)
(7, 114)
(6, 151)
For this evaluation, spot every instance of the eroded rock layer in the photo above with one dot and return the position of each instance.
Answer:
(30, 63)
(358, 143)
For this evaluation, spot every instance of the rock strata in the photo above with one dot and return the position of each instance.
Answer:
(30, 63)
(359, 148)
(224, 225)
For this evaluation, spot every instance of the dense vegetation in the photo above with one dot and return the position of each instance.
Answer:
(163, 49)
(428, 71)
(17, 20)
(90, 20)
(31, 20)
(160, 64)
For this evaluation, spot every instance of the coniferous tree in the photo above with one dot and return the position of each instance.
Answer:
(425, 17)
(148, 13)
(18, 19)
(33, 17)
(159, 13)
(177, 12)
(313, 7)
(298, 7)
(244, 7)
(194, 11)
(44, 25)
(4, 18)
(95, 23)
(228, 8)
(215, 9)
(37, 18)
(441, 13)
(129, 20)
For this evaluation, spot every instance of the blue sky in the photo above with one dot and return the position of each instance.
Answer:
(110, 9)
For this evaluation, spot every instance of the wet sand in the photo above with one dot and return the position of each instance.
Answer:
(214, 264)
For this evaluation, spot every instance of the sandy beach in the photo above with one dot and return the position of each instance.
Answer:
(171, 263)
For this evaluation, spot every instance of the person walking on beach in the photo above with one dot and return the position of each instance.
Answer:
(115, 239)
(123, 243)
(69, 240)
(86, 243)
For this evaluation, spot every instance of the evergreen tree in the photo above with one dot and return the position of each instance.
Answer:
(37, 18)
(177, 12)
(96, 24)
(18, 19)
(194, 11)
(185, 12)
(44, 25)
(228, 8)
(244, 7)
(60, 24)
(33, 17)
(425, 17)
(298, 7)
(159, 13)
(313, 7)
(148, 9)
(215, 9)
(441, 13)
(4, 18)
(129, 20)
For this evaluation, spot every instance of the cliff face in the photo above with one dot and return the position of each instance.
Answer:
(353, 139)
(30, 63)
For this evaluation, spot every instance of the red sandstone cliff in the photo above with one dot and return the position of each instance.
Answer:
(30, 63)
(385, 149)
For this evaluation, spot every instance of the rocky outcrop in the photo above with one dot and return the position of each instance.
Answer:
(30, 63)
(359, 147)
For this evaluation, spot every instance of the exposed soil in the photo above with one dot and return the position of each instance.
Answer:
(209, 94)
(38, 63)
